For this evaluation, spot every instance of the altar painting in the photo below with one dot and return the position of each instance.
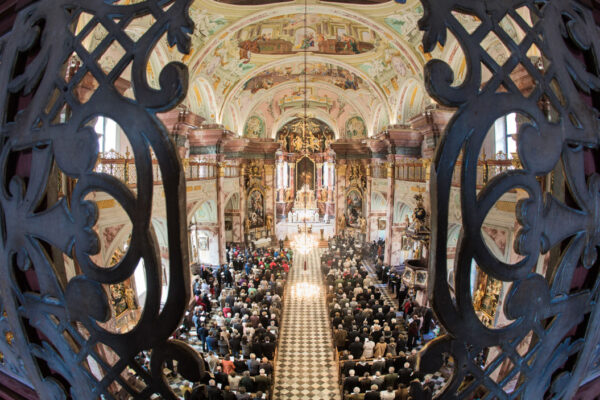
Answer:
(354, 208)
(256, 214)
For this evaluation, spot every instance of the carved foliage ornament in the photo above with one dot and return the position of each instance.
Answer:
(560, 319)
(57, 336)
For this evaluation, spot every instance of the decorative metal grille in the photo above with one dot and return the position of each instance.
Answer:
(55, 328)
(558, 314)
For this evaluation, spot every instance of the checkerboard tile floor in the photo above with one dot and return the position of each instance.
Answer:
(305, 367)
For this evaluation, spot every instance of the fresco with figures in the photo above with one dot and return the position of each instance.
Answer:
(322, 34)
(315, 72)
(355, 128)
(255, 127)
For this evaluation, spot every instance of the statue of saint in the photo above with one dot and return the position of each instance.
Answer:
(341, 223)
(247, 225)
(363, 225)
(130, 299)
(269, 223)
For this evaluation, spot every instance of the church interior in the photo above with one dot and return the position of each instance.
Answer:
(307, 139)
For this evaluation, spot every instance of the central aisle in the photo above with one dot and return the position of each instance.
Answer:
(305, 367)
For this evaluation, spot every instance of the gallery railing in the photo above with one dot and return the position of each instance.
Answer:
(417, 170)
(123, 168)
(538, 60)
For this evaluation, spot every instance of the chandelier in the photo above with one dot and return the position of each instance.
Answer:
(304, 243)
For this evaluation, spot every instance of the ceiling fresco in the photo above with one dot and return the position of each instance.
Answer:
(321, 34)
(364, 62)
(335, 75)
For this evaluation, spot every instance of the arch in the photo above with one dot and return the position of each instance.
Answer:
(269, 93)
(202, 100)
(401, 211)
(205, 210)
(232, 203)
(378, 201)
(411, 99)
(291, 114)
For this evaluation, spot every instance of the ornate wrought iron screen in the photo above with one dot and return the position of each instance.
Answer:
(55, 335)
(557, 314)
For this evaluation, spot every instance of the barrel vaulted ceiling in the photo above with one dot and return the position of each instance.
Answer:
(363, 63)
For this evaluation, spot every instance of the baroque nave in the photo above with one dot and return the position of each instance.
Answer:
(301, 225)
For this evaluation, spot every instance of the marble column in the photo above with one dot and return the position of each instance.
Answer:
(390, 211)
(270, 195)
(242, 183)
(221, 212)
(367, 199)
(340, 193)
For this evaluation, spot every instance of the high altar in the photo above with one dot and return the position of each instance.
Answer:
(305, 178)
(305, 206)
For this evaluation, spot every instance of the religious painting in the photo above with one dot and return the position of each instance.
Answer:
(255, 127)
(305, 173)
(320, 34)
(381, 224)
(255, 209)
(354, 208)
(203, 243)
(301, 134)
(355, 128)
(315, 72)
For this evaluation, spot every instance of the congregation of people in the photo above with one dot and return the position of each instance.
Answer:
(234, 324)
(377, 343)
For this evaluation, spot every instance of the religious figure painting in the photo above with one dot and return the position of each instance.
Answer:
(355, 128)
(256, 214)
(255, 127)
(315, 72)
(354, 207)
(203, 243)
(322, 34)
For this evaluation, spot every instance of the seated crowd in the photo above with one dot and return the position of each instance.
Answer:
(376, 343)
(234, 324)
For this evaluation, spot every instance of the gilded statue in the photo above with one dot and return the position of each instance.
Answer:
(269, 223)
(130, 299)
(363, 224)
(341, 223)
(247, 224)
(298, 143)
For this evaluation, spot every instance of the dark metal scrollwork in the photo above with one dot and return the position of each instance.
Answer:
(56, 323)
(564, 316)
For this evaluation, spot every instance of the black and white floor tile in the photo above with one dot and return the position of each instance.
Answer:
(383, 288)
(305, 367)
